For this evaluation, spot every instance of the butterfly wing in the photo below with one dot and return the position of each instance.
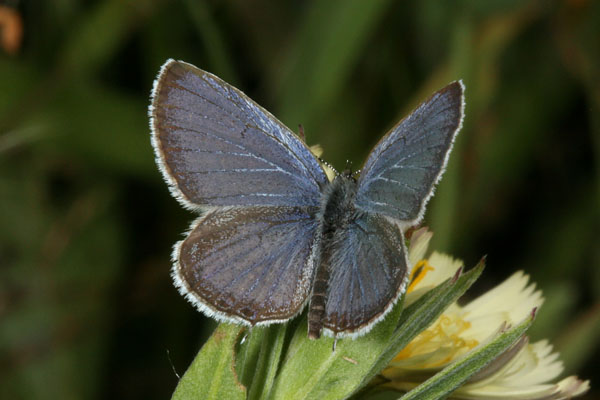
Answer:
(401, 171)
(217, 147)
(248, 265)
(368, 274)
(249, 258)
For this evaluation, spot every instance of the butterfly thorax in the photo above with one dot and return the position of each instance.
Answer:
(337, 204)
(336, 213)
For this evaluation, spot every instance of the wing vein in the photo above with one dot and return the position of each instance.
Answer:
(236, 100)
(244, 123)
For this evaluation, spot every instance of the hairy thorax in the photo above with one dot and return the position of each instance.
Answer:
(337, 205)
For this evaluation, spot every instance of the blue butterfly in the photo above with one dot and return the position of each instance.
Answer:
(274, 233)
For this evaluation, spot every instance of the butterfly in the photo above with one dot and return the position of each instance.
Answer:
(275, 235)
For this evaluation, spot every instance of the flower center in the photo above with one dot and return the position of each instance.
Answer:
(418, 273)
(440, 343)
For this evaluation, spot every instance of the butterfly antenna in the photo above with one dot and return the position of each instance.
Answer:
(328, 165)
(301, 133)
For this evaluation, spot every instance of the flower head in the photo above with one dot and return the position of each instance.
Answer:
(525, 371)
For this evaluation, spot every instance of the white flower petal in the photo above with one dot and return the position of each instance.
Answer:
(512, 297)
(510, 302)
(546, 365)
(419, 242)
(571, 387)
(444, 267)
(493, 392)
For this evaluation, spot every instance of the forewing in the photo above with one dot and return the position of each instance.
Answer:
(400, 173)
(251, 265)
(368, 272)
(217, 147)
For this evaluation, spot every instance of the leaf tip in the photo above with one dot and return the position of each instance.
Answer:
(533, 313)
(457, 275)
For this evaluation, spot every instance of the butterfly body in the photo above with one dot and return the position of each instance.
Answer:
(274, 233)
(337, 212)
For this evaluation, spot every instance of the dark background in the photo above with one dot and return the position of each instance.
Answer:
(87, 307)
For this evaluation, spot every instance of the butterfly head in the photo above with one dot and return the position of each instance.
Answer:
(347, 174)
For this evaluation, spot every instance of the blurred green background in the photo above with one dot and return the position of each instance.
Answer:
(87, 308)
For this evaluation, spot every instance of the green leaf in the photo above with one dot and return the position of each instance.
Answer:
(451, 377)
(212, 374)
(248, 353)
(268, 362)
(259, 357)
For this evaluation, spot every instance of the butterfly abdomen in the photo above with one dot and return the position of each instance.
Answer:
(337, 211)
(318, 300)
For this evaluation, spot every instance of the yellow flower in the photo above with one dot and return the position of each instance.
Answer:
(523, 372)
